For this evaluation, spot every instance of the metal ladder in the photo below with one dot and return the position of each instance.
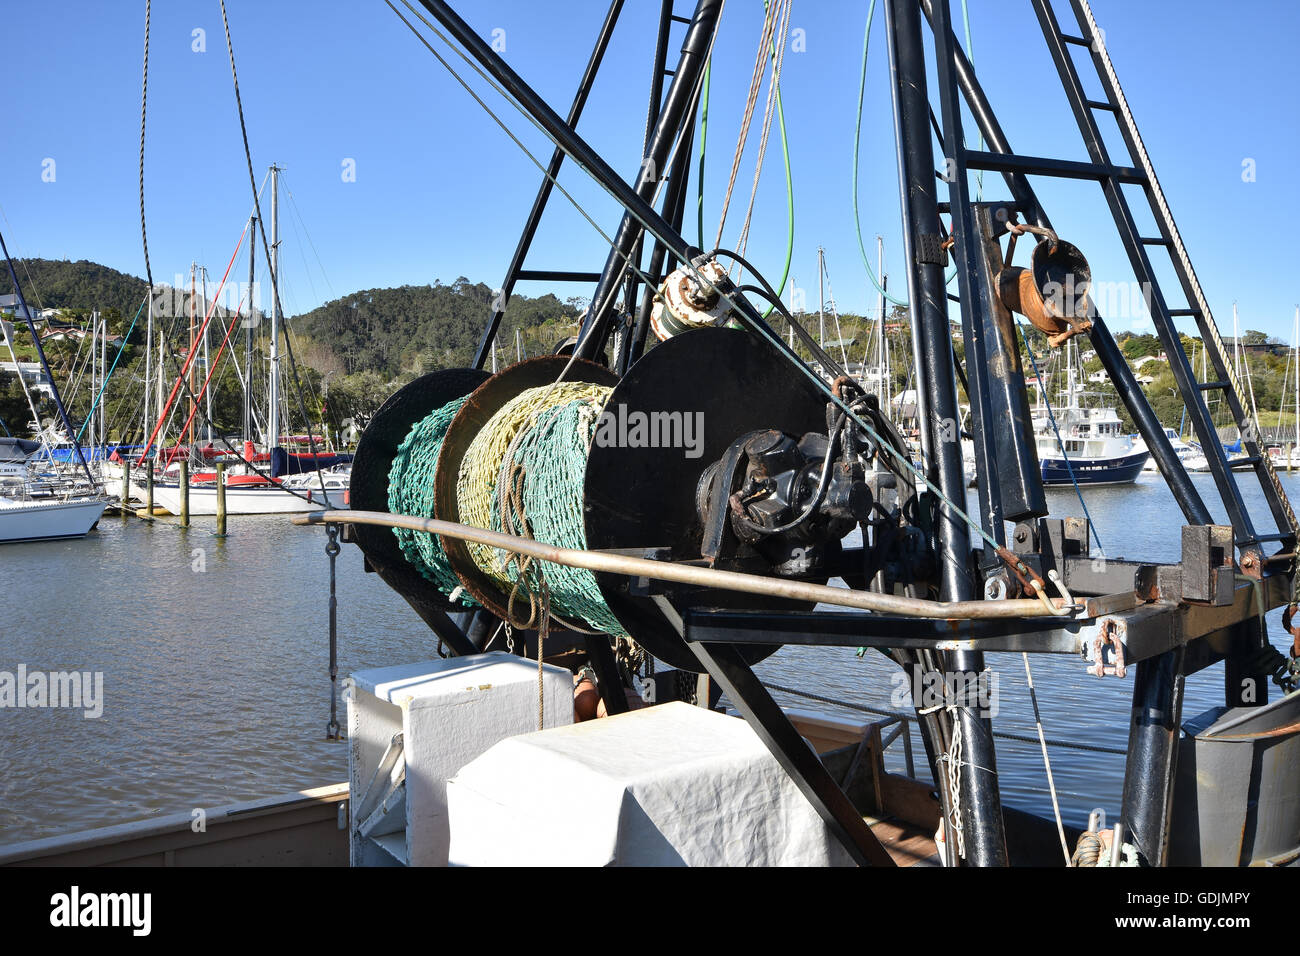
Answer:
(1142, 173)
(516, 272)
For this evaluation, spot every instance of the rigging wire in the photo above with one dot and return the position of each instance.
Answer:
(777, 45)
(109, 375)
(760, 328)
(266, 249)
(293, 203)
(857, 141)
(785, 154)
(1051, 417)
(751, 101)
(144, 239)
(627, 259)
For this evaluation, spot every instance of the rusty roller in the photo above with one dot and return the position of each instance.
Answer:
(1053, 292)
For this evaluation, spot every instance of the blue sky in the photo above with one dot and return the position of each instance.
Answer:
(440, 192)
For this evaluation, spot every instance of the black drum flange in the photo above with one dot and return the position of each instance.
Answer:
(641, 497)
(368, 487)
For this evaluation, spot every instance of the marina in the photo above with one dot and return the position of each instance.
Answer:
(994, 569)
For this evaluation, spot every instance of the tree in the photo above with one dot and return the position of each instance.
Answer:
(14, 411)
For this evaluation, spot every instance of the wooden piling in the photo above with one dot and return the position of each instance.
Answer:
(185, 494)
(126, 486)
(221, 499)
(148, 483)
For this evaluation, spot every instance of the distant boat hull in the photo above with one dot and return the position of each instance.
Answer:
(1094, 471)
(246, 500)
(48, 520)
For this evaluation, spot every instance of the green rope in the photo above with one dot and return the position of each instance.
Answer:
(857, 140)
(704, 136)
(550, 452)
(552, 455)
(410, 492)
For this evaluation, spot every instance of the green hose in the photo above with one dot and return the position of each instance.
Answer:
(857, 140)
(789, 181)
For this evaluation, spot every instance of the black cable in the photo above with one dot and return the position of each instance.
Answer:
(166, 337)
(266, 249)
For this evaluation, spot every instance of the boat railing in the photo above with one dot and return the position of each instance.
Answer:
(904, 722)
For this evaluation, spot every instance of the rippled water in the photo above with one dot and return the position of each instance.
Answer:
(214, 656)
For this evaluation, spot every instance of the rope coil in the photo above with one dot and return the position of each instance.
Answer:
(410, 491)
(523, 474)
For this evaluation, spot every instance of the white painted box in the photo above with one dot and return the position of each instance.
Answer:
(447, 712)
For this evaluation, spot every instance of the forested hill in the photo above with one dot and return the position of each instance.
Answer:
(417, 328)
(79, 286)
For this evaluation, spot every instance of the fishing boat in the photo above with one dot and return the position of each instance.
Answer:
(607, 540)
(1085, 444)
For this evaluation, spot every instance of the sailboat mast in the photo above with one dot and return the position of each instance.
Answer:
(189, 434)
(248, 335)
(273, 412)
(103, 377)
(1295, 349)
(92, 424)
(148, 362)
(821, 300)
(207, 360)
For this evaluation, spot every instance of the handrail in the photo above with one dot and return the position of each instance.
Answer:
(702, 577)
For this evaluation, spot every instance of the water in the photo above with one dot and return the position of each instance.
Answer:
(214, 655)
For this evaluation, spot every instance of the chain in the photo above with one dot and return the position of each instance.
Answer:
(332, 549)
(953, 759)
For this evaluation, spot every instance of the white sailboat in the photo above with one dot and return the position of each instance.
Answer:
(303, 487)
(53, 511)
(28, 518)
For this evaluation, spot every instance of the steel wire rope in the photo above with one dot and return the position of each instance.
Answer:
(144, 239)
(760, 328)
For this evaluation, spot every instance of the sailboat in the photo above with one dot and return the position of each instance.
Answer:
(51, 510)
(279, 481)
(1287, 455)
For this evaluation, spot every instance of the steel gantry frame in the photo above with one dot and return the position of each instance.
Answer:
(1169, 619)
(668, 119)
